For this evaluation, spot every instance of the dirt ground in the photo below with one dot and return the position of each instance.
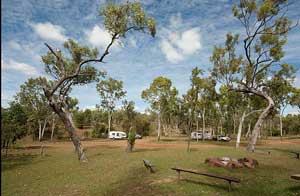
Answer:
(151, 143)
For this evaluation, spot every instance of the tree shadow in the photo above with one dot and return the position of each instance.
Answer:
(145, 150)
(295, 189)
(30, 147)
(13, 161)
(218, 186)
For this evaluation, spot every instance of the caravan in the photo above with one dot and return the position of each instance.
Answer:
(117, 135)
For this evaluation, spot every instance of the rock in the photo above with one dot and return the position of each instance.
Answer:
(234, 164)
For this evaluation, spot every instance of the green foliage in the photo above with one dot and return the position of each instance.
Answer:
(131, 137)
(99, 130)
(110, 91)
(291, 124)
(118, 19)
(160, 93)
(13, 122)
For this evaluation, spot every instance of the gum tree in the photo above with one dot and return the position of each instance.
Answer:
(266, 28)
(159, 95)
(110, 91)
(75, 66)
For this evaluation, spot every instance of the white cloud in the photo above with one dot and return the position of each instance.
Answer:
(49, 31)
(132, 42)
(98, 37)
(19, 67)
(14, 45)
(171, 53)
(189, 42)
(176, 44)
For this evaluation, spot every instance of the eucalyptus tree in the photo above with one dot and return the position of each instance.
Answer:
(32, 98)
(128, 108)
(281, 89)
(13, 124)
(266, 27)
(295, 98)
(76, 68)
(110, 91)
(158, 95)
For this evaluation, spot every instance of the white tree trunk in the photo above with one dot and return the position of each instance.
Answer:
(158, 125)
(203, 124)
(238, 138)
(258, 124)
(53, 127)
(109, 122)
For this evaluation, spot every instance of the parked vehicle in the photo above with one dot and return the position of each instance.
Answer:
(223, 138)
(138, 136)
(117, 135)
(198, 135)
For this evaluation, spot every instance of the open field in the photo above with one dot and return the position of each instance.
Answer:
(112, 171)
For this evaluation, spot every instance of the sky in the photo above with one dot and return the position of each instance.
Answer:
(187, 31)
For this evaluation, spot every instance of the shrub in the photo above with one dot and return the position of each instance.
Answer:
(99, 130)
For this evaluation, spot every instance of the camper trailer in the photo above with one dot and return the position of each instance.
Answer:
(117, 135)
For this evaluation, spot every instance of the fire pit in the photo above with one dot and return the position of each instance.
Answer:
(232, 162)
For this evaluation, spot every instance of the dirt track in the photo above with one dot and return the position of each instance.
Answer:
(151, 143)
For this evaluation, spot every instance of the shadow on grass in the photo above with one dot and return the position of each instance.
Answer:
(294, 189)
(30, 147)
(13, 161)
(215, 186)
(146, 150)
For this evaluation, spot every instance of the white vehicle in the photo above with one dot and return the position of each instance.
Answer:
(117, 135)
(198, 135)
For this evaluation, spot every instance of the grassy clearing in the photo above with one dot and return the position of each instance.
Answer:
(111, 171)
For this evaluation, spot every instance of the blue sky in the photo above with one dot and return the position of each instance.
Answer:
(187, 30)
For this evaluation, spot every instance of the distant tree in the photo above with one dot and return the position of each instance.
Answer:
(130, 114)
(110, 91)
(266, 27)
(32, 98)
(158, 95)
(13, 124)
(75, 68)
(281, 90)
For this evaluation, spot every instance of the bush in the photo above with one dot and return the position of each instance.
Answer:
(99, 130)
(86, 134)
(131, 140)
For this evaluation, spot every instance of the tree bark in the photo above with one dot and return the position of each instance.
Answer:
(238, 138)
(203, 123)
(109, 122)
(260, 120)
(53, 127)
(6, 148)
(66, 118)
(158, 125)
(249, 130)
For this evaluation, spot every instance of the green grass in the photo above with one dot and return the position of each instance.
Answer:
(112, 171)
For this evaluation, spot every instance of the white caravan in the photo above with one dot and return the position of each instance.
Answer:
(117, 135)
(198, 135)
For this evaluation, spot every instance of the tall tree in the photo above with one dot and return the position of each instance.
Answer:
(281, 89)
(266, 28)
(158, 95)
(13, 124)
(110, 91)
(75, 68)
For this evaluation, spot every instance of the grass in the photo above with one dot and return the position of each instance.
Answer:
(112, 171)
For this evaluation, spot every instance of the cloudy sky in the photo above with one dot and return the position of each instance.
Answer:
(187, 30)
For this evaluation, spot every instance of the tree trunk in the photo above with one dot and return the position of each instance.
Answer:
(66, 118)
(52, 131)
(158, 125)
(6, 148)
(238, 138)
(109, 122)
(249, 130)
(189, 136)
(260, 120)
(203, 123)
(40, 130)
(234, 125)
